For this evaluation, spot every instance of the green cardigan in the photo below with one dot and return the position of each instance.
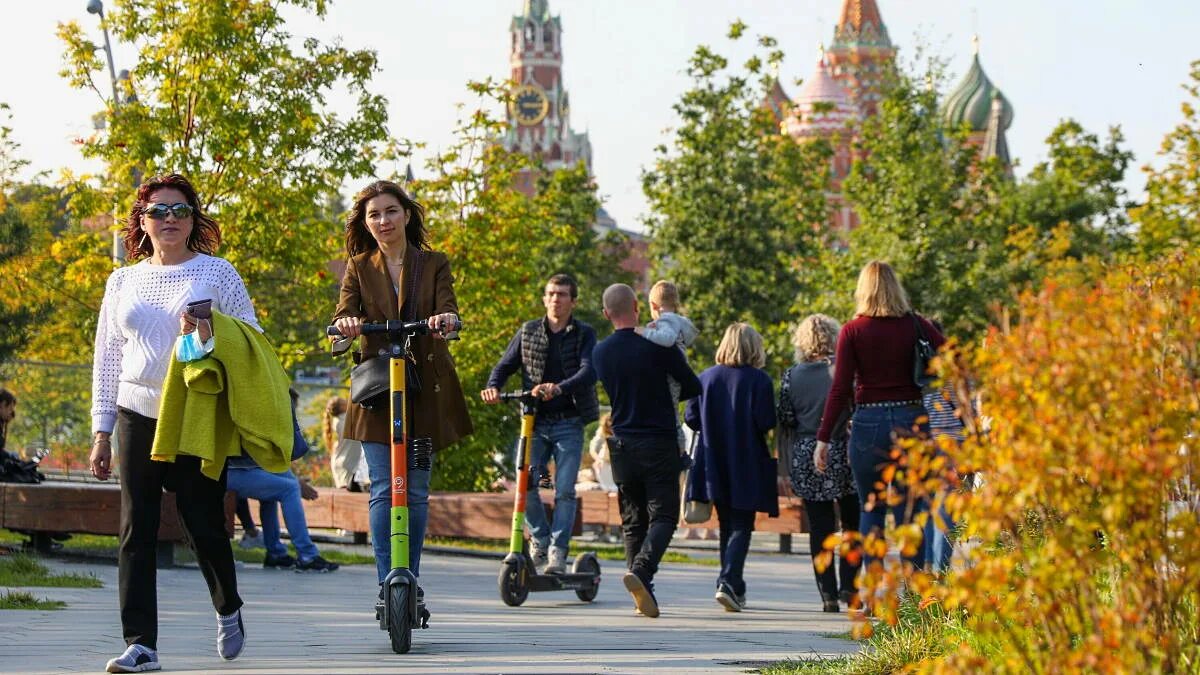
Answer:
(235, 399)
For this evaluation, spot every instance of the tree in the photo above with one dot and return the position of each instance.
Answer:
(16, 313)
(502, 245)
(1170, 218)
(734, 203)
(963, 235)
(220, 94)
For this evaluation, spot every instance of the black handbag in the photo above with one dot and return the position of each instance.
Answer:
(923, 353)
(370, 382)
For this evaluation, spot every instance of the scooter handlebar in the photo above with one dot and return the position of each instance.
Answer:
(400, 328)
(515, 395)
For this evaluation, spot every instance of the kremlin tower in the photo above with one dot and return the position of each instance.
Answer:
(539, 116)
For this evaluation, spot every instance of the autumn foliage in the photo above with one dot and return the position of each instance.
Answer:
(1083, 542)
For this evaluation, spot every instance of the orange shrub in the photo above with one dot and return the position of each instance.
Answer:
(1087, 527)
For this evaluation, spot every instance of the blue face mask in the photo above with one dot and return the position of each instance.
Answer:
(190, 348)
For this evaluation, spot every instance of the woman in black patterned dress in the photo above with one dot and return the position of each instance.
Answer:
(802, 392)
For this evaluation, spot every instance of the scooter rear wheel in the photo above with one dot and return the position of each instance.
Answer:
(514, 586)
(587, 564)
(399, 619)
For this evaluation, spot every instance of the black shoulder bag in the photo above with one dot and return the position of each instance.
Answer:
(923, 353)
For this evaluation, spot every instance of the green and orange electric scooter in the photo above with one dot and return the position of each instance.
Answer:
(400, 612)
(518, 577)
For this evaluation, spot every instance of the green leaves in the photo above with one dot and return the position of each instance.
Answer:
(733, 202)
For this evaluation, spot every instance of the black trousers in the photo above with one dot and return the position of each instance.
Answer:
(646, 471)
(823, 521)
(201, 505)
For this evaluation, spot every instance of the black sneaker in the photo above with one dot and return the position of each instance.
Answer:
(282, 562)
(317, 564)
(643, 595)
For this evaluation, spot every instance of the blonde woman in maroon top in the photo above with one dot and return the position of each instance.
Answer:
(874, 365)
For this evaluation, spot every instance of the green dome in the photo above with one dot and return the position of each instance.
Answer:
(971, 101)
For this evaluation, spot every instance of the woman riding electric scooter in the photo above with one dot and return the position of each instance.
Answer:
(392, 275)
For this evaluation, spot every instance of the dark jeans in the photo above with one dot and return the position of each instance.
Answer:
(872, 433)
(646, 471)
(200, 502)
(736, 527)
(822, 522)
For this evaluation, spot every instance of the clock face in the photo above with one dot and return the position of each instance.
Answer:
(529, 104)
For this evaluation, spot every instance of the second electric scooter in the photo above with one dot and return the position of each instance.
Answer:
(518, 577)
(400, 612)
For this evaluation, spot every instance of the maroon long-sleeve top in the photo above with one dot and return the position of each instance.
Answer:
(878, 352)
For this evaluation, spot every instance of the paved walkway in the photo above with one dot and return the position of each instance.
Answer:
(303, 623)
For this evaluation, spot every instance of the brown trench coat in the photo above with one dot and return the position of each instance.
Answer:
(439, 410)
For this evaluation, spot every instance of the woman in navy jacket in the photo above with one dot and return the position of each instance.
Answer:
(734, 470)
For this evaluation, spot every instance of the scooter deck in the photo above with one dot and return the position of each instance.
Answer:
(562, 582)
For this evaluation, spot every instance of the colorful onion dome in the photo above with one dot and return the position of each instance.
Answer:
(971, 100)
(822, 106)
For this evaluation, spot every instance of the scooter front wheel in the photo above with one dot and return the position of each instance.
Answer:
(399, 618)
(514, 586)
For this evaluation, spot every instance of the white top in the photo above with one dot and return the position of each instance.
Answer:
(671, 329)
(139, 321)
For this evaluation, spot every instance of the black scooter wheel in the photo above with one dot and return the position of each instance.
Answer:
(587, 564)
(400, 619)
(513, 583)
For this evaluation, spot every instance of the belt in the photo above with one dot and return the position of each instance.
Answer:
(557, 417)
(891, 404)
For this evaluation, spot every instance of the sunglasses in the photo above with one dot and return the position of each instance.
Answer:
(160, 211)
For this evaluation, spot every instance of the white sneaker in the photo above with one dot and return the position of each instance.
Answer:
(538, 553)
(249, 542)
(136, 659)
(557, 562)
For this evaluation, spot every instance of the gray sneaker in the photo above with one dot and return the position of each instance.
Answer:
(557, 562)
(231, 635)
(538, 553)
(136, 659)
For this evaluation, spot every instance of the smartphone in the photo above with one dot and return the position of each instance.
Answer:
(201, 309)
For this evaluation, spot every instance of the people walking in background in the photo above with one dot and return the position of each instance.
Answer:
(598, 449)
(140, 316)
(392, 274)
(734, 470)
(554, 355)
(945, 425)
(643, 449)
(345, 455)
(827, 496)
(873, 369)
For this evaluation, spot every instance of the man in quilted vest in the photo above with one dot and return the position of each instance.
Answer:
(554, 355)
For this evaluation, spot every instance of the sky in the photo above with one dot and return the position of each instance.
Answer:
(1102, 62)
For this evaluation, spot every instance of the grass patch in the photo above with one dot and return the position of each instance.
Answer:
(917, 636)
(602, 551)
(82, 544)
(23, 600)
(23, 570)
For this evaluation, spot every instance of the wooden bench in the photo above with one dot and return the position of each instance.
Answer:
(53, 507)
(488, 515)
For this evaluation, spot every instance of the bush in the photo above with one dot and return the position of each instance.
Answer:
(1089, 559)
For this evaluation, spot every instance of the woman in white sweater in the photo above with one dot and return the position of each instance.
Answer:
(140, 318)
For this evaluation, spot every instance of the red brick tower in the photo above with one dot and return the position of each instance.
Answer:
(539, 115)
(861, 53)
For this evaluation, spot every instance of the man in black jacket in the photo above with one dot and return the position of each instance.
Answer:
(644, 450)
(554, 355)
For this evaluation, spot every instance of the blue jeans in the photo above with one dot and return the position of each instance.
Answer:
(871, 438)
(562, 440)
(736, 527)
(269, 488)
(379, 469)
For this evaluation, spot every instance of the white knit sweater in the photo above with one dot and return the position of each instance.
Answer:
(139, 321)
